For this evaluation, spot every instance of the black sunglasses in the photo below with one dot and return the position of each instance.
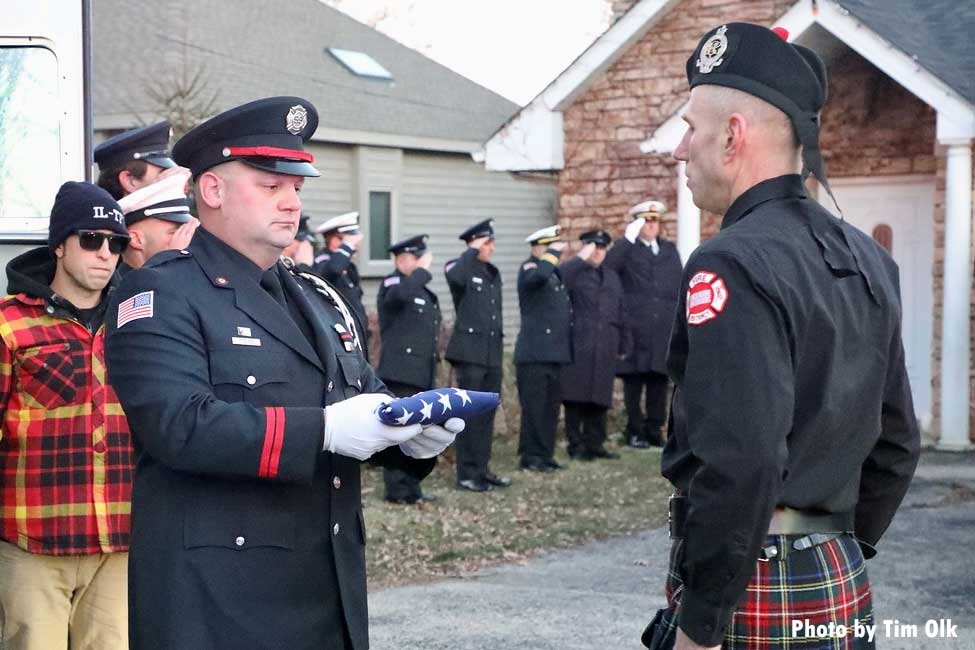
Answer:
(92, 241)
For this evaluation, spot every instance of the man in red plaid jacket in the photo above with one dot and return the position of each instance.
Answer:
(65, 449)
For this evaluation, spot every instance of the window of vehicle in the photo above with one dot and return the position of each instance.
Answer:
(30, 135)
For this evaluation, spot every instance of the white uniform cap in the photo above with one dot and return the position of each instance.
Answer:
(649, 208)
(167, 189)
(546, 235)
(344, 223)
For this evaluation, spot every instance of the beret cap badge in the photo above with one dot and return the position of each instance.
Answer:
(297, 119)
(712, 51)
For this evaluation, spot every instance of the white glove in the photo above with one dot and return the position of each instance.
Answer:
(433, 439)
(633, 230)
(352, 427)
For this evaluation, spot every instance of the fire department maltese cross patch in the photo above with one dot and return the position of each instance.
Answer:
(707, 296)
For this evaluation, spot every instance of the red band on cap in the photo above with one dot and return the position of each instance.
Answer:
(271, 152)
(781, 32)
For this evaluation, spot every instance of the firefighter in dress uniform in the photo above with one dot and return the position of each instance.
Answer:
(342, 238)
(475, 349)
(409, 326)
(543, 346)
(251, 406)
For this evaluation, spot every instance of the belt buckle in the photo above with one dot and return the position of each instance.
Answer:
(670, 516)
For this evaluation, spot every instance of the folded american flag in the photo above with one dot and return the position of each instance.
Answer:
(437, 406)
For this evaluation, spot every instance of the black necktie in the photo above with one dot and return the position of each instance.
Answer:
(272, 284)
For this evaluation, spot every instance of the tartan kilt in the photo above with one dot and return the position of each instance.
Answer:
(824, 584)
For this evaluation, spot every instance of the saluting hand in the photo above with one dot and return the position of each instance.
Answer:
(477, 243)
(304, 254)
(558, 246)
(425, 260)
(586, 251)
(633, 230)
(183, 235)
(353, 240)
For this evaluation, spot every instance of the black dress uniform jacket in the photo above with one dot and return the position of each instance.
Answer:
(339, 269)
(244, 533)
(597, 324)
(650, 287)
(791, 389)
(545, 335)
(409, 321)
(475, 287)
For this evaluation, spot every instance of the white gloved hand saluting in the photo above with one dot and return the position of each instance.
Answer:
(633, 230)
(433, 439)
(353, 429)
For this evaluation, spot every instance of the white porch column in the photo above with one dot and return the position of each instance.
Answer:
(955, 332)
(688, 216)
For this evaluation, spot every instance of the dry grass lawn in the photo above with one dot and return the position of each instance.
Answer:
(462, 532)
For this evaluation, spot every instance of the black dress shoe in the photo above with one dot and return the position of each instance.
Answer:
(497, 481)
(638, 443)
(411, 500)
(583, 456)
(604, 453)
(473, 485)
(537, 466)
(554, 465)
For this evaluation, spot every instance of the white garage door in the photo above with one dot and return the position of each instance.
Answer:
(898, 212)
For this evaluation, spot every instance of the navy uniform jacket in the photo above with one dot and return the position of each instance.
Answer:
(791, 389)
(545, 335)
(338, 268)
(409, 321)
(650, 287)
(597, 320)
(475, 287)
(244, 533)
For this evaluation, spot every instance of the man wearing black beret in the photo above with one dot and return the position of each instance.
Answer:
(793, 437)
(251, 405)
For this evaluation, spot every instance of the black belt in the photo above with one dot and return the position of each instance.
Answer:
(816, 528)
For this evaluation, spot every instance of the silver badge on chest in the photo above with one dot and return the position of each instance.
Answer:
(712, 51)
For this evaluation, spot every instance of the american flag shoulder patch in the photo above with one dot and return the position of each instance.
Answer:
(136, 307)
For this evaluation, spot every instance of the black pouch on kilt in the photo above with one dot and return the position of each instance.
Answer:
(661, 633)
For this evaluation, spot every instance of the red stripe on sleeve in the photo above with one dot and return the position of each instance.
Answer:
(270, 426)
(275, 458)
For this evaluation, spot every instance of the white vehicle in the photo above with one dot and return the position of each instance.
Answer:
(45, 113)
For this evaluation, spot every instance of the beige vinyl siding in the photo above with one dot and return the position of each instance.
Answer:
(333, 192)
(444, 194)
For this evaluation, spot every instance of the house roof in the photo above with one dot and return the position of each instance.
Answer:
(931, 43)
(246, 49)
(936, 33)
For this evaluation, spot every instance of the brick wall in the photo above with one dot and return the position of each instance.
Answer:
(871, 126)
(605, 173)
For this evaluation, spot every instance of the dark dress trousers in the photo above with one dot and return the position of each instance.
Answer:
(409, 323)
(245, 534)
(475, 351)
(338, 268)
(651, 283)
(543, 346)
(596, 294)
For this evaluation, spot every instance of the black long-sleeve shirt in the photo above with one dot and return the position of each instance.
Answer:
(791, 389)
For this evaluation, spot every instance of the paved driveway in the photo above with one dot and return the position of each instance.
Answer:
(599, 596)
